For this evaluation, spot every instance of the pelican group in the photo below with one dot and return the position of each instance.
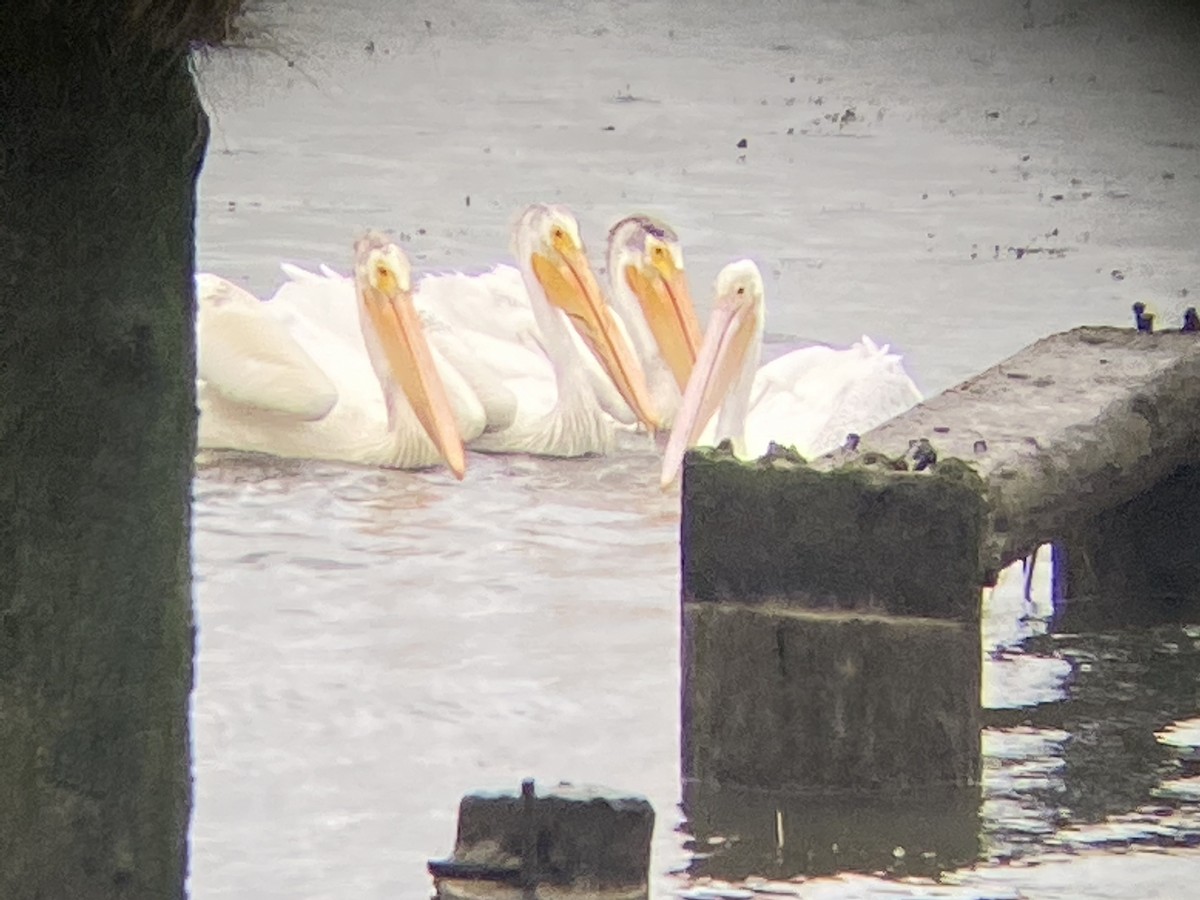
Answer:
(532, 357)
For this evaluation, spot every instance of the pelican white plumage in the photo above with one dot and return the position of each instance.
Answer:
(565, 299)
(537, 344)
(484, 325)
(276, 378)
(648, 291)
(809, 399)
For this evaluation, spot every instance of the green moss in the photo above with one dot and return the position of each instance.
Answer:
(861, 536)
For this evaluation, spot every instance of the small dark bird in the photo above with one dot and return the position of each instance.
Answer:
(1191, 322)
(922, 454)
(1143, 319)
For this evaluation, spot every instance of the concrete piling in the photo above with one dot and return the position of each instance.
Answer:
(831, 608)
(813, 608)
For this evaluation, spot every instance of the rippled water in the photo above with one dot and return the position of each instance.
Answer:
(374, 644)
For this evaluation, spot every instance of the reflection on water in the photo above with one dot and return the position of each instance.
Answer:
(1077, 755)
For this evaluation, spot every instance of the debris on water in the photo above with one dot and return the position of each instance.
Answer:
(980, 446)
(1168, 176)
(609, 128)
(992, 114)
(1053, 252)
(468, 199)
(370, 47)
(1117, 275)
(742, 144)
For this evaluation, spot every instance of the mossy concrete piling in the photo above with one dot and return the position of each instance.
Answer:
(831, 608)
(813, 608)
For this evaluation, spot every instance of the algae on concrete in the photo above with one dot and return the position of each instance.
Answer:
(859, 537)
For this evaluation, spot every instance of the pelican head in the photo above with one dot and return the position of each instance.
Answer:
(547, 241)
(725, 366)
(645, 254)
(397, 345)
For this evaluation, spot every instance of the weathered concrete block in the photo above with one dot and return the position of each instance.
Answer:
(863, 537)
(1068, 428)
(795, 700)
(580, 836)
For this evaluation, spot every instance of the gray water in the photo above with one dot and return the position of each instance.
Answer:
(374, 644)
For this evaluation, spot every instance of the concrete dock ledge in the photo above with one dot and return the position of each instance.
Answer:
(1067, 429)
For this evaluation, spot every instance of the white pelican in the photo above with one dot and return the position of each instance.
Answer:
(274, 380)
(809, 399)
(564, 296)
(650, 293)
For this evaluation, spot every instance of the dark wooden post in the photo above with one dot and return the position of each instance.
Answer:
(101, 141)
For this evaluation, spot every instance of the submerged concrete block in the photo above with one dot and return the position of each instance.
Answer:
(794, 700)
(582, 837)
